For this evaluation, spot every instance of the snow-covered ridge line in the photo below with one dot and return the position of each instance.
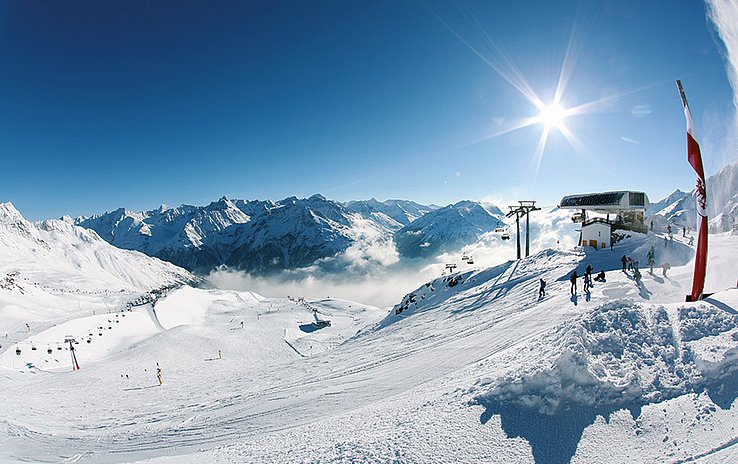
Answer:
(266, 237)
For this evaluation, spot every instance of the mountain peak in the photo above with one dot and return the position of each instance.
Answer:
(8, 213)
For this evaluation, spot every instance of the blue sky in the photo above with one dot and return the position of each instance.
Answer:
(137, 103)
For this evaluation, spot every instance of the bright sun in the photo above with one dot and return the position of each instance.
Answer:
(552, 116)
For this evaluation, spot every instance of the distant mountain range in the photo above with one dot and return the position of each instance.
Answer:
(262, 236)
(722, 203)
(265, 236)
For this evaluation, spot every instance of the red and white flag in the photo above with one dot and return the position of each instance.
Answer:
(695, 160)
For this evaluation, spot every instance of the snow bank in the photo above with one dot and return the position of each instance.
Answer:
(621, 355)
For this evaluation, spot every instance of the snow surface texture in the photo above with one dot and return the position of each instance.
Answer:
(469, 367)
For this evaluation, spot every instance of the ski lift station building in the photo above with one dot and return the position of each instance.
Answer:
(602, 213)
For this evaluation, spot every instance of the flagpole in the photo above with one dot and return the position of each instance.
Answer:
(694, 157)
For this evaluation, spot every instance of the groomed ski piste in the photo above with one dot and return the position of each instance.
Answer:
(469, 367)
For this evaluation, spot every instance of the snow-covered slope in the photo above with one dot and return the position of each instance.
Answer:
(51, 268)
(58, 253)
(447, 229)
(722, 204)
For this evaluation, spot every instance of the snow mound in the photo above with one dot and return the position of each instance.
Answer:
(622, 355)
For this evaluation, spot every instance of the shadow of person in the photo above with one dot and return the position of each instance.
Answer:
(553, 438)
(574, 299)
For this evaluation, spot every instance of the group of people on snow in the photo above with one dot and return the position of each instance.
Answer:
(587, 279)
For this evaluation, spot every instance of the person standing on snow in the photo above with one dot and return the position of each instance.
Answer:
(542, 289)
(158, 374)
(650, 257)
(573, 280)
(624, 260)
(665, 267)
(587, 277)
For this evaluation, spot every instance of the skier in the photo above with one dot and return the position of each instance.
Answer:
(684, 231)
(668, 229)
(691, 240)
(630, 263)
(601, 276)
(158, 373)
(573, 280)
(651, 225)
(587, 277)
(650, 257)
(542, 289)
(637, 275)
(624, 261)
(665, 267)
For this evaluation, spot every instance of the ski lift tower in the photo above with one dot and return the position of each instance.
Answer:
(71, 340)
(524, 207)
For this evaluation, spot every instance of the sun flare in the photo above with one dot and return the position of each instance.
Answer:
(552, 116)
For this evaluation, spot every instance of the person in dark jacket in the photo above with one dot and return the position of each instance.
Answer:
(573, 280)
(624, 260)
(542, 289)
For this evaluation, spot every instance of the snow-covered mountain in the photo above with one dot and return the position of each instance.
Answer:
(655, 208)
(264, 236)
(292, 233)
(722, 204)
(57, 252)
(392, 214)
(256, 236)
(447, 229)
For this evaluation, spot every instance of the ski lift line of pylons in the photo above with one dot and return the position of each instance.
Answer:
(33, 346)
